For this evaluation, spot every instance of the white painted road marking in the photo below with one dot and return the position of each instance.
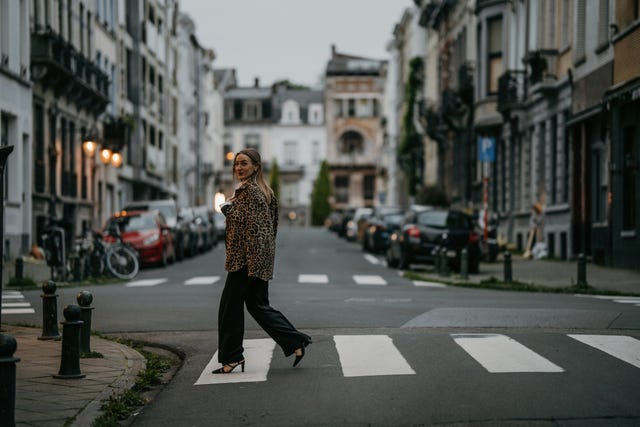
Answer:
(369, 280)
(257, 354)
(370, 355)
(15, 306)
(619, 346)
(313, 278)
(425, 284)
(501, 354)
(145, 283)
(205, 280)
(372, 259)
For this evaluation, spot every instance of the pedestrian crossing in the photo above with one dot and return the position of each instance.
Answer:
(617, 299)
(13, 302)
(380, 355)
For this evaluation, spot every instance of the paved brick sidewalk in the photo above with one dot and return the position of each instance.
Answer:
(42, 400)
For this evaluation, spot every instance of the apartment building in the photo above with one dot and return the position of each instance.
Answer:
(354, 88)
(16, 124)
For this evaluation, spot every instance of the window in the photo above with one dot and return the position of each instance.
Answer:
(351, 107)
(627, 12)
(369, 187)
(315, 152)
(554, 160)
(566, 152)
(341, 186)
(290, 153)
(565, 33)
(600, 184)
(252, 110)
(4, 33)
(494, 53)
(39, 154)
(4, 140)
(603, 24)
(351, 142)
(252, 141)
(227, 149)
(579, 52)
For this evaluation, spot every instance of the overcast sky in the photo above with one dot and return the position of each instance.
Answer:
(278, 39)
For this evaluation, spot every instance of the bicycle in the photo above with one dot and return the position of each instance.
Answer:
(120, 259)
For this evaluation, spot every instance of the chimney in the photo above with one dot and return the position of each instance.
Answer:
(256, 82)
(333, 50)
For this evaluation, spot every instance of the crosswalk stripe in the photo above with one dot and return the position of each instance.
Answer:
(313, 278)
(372, 259)
(426, 284)
(145, 283)
(369, 280)
(12, 296)
(501, 354)
(18, 311)
(11, 303)
(619, 346)
(15, 304)
(258, 354)
(370, 355)
(205, 280)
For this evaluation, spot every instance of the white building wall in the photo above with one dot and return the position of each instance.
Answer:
(16, 115)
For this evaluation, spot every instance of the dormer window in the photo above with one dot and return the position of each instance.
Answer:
(315, 114)
(290, 112)
(252, 110)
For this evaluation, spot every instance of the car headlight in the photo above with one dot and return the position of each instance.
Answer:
(151, 239)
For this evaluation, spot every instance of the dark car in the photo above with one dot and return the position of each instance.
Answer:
(424, 231)
(221, 225)
(168, 208)
(378, 229)
(203, 218)
(196, 232)
(148, 233)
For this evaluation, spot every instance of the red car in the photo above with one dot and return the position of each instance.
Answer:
(148, 233)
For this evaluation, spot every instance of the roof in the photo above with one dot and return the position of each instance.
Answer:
(248, 93)
(344, 64)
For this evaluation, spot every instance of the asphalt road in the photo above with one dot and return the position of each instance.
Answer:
(385, 351)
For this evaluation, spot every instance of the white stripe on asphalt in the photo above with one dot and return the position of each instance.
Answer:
(425, 284)
(12, 296)
(369, 280)
(501, 354)
(370, 355)
(372, 259)
(257, 354)
(145, 282)
(16, 304)
(18, 311)
(313, 278)
(205, 280)
(619, 346)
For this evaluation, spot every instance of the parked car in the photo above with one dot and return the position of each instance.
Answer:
(221, 224)
(208, 227)
(355, 226)
(196, 232)
(378, 228)
(148, 233)
(422, 231)
(167, 207)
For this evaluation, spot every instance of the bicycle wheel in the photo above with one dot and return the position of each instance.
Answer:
(122, 262)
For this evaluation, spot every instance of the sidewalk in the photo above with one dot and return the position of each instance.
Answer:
(42, 400)
(553, 274)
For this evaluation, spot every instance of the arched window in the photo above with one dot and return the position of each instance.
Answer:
(351, 142)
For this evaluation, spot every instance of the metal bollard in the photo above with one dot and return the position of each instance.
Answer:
(582, 270)
(49, 311)
(19, 273)
(8, 346)
(444, 263)
(85, 299)
(464, 263)
(70, 358)
(508, 277)
(436, 259)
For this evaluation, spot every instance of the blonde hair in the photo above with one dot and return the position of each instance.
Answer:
(257, 177)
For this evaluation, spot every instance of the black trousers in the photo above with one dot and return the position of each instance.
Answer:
(240, 289)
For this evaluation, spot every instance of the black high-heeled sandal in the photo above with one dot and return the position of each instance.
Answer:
(299, 357)
(229, 365)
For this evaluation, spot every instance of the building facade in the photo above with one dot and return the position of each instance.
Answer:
(16, 124)
(354, 88)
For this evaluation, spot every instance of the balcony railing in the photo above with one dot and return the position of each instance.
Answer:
(511, 91)
(58, 65)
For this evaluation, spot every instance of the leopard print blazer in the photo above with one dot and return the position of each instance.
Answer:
(251, 232)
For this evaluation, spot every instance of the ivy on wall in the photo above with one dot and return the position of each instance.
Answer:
(410, 147)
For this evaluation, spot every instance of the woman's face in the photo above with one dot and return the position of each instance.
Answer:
(244, 167)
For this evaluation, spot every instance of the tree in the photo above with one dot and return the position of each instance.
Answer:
(410, 149)
(274, 179)
(320, 207)
(432, 195)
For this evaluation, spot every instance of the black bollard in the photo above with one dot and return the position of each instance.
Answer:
(8, 346)
(582, 270)
(19, 268)
(49, 311)
(70, 357)
(508, 277)
(464, 263)
(444, 262)
(85, 299)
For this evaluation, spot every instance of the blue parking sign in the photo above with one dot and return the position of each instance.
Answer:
(486, 149)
